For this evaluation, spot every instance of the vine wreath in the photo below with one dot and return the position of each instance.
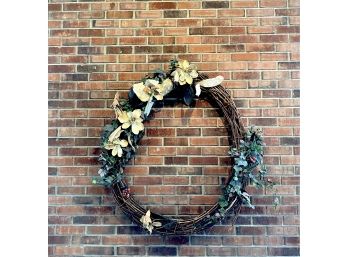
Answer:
(119, 141)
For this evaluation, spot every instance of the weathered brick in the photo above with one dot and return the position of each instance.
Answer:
(162, 251)
(119, 50)
(175, 14)
(131, 250)
(215, 4)
(283, 251)
(98, 250)
(289, 140)
(202, 31)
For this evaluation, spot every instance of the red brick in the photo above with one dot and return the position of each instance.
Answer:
(91, 32)
(68, 250)
(149, 32)
(246, 75)
(177, 180)
(161, 40)
(147, 180)
(202, 13)
(119, 14)
(148, 14)
(162, 5)
(132, 40)
(148, 160)
(245, 56)
(162, 190)
(191, 251)
(231, 30)
(204, 141)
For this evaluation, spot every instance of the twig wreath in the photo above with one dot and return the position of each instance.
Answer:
(120, 139)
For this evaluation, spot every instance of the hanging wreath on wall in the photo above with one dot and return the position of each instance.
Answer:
(119, 141)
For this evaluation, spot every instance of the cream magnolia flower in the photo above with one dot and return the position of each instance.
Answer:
(148, 223)
(131, 119)
(115, 144)
(185, 73)
(144, 91)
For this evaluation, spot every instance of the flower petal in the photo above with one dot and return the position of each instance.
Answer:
(167, 86)
(182, 83)
(123, 117)
(140, 92)
(159, 97)
(136, 113)
(123, 143)
(182, 76)
(184, 64)
(175, 74)
(114, 150)
(194, 74)
(151, 82)
(126, 125)
(115, 134)
(119, 151)
(189, 79)
(109, 146)
(136, 127)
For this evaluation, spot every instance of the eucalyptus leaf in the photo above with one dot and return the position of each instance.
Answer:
(223, 202)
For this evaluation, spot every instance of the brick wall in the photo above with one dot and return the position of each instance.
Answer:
(99, 47)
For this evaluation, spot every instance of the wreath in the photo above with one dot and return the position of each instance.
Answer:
(119, 141)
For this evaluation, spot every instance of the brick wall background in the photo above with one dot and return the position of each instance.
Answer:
(99, 47)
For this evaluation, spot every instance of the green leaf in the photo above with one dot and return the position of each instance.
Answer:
(188, 95)
(242, 163)
(148, 107)
(223, 202)
(237, 168)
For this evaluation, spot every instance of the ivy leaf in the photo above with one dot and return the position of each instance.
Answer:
(222, 211)
(223, 202)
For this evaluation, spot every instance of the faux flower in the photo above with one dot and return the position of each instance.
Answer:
(185, 73)
(131, 119)
(148, 223)
(152, 87)
(115, 144)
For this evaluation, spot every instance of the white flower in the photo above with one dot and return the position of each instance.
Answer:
(115, 144)
(144, 91)
(148, 223)
(131, 119)
(185, 73)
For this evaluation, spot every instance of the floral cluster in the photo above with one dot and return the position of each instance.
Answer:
(119, 139)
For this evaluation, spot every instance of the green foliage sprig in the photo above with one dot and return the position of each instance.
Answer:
(248, 169)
